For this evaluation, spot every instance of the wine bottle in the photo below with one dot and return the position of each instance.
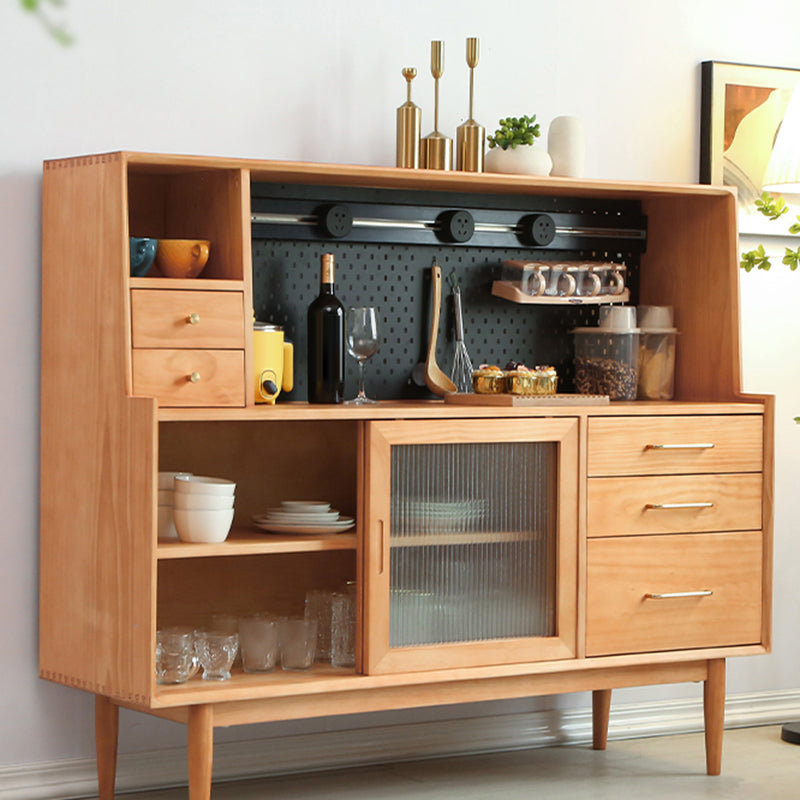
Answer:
(326, 341)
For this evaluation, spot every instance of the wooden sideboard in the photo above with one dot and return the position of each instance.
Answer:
(659, 516)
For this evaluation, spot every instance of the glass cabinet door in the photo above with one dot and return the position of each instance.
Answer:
(470, 543)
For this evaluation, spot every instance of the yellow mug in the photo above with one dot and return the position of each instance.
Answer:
(274, 362)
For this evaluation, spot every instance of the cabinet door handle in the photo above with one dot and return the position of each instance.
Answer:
(193, 377)
(662, 506)
(672, 595)
(687, 446)
(193, 318)
(382, 563)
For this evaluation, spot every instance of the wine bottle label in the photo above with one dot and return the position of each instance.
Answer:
(327, 268)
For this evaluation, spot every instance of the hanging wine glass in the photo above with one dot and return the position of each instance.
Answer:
(361, 335)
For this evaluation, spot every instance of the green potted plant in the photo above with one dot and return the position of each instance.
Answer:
(772, 207)
(511, 148)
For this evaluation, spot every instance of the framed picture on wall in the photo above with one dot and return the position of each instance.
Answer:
(742, 107)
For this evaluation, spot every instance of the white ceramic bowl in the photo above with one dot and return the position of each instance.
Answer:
(203, 501)
(166, 480)
(202, 484)
(165, 497)
(205, 525)
(166, 524)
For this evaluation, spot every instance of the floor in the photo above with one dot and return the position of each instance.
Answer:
(756, 765)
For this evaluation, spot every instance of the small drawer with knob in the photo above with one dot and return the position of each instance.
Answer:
(189, 377)
(198, 319)
(673, 592)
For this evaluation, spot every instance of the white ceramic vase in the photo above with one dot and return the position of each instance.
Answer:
(567, 147)
(524, 159)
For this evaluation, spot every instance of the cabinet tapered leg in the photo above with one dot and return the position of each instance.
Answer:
(201, 752)
(601, 706)
(106, 733)
(714, 712)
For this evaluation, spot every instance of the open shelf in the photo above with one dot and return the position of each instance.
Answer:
(247, 541)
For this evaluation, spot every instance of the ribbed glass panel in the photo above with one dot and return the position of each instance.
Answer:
(473, 542)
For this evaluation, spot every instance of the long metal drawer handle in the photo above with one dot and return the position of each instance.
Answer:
(672, 595)
(689, 446)
(661, 506)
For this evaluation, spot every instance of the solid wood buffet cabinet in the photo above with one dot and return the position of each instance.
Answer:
(585, 560)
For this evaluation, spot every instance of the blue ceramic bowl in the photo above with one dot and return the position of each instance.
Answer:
(143, 251)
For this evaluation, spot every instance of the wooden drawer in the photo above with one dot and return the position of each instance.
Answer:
(167, 375)
(675, 445)
(174, 318)
(674, 504)
(622, 617)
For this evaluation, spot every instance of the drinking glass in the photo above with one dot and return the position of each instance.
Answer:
(361, 332)
(216, 651)
(176, 661)
(258, 642)
(298, 642)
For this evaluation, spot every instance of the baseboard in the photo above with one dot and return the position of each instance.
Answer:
(61, 780)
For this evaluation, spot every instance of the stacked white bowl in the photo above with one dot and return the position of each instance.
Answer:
(166, 524)
(203, 508)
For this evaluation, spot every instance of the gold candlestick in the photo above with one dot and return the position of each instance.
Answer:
(437, 148)
(408, 126)
(470, 136)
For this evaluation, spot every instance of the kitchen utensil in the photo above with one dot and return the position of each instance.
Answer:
(437, 148)
(435, 379)
(470, 136)
(461, 374)
(273, 358)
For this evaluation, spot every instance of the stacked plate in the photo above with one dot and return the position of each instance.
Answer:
(303, 517)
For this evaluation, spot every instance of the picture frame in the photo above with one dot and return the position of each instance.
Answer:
(742, 107)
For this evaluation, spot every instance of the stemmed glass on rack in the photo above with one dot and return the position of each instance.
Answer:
(361, 335)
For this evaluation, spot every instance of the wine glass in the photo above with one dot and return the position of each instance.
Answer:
(361, 332)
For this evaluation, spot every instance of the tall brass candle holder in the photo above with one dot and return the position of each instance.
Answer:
(408, 126)
(470, 136)
(437, 148)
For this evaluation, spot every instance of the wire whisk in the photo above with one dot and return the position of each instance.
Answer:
(461, 374)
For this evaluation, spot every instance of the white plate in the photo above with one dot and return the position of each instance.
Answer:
(306, 506)
(300, 516)
(345, 523)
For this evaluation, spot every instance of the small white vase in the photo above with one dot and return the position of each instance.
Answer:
(525, 159)
(567, 147)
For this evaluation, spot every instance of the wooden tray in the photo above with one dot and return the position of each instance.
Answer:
(509, 291)
(527, 400)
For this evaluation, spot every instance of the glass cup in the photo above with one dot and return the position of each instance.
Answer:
(343, 629)
(176, 660)
(318, 607)
(363, 341)
(258, 640)
(216, 651)
(560, 281)
(298, 642)
(589, 281)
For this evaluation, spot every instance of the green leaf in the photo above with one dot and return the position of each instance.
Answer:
(772, 207)
(792, 258)
(755, 259)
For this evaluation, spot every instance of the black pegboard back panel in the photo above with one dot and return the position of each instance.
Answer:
(395, 277)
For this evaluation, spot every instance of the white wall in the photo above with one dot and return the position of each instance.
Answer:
(320, 81)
